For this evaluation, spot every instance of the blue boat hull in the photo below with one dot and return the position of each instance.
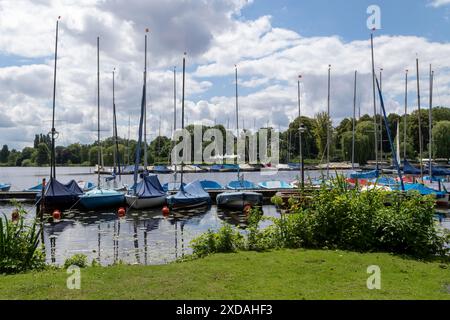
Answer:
(5, 187)
(102, 202)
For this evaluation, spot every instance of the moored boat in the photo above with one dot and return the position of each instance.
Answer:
(190, 196)
(239, 200)
(5, 187)
(148, 194)
(275, 184)
(101, 199)
(241, 185)
(211, 185)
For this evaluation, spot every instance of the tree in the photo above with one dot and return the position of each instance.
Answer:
(441, 139)
(362, 147)
(4, 154)
(322, 121)
(42, 156)
(366, 128)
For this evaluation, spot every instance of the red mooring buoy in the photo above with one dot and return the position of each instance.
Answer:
(247, 209)
(56, 215)
(165, 211)
(121, 212)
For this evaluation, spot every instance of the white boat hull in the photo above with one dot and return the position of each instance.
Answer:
(144, 203)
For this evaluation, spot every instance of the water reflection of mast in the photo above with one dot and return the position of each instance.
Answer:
(53, 248)
(136, 242)
(99, 244)
(145, 247)
(176, 239)
(116, 241)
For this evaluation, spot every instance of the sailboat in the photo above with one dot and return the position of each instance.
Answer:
(56, 195)
(148, 193)
(99, 198)
(239, 199)
(191, 195)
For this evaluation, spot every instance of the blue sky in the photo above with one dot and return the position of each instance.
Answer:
(270, 41)
(347, 19)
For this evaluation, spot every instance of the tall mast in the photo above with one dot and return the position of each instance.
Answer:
(300, 142)
(430, 146)
(128, 140)
(328, 122)
(145, 105)
(53, 133)
(98, 111)
(237, 105)
(406, 115)
(354, 124)
(116, 142)
(182, 115)
(381, 117)
(420, 120)
(114, 125)
(174, 99)
(375, 125)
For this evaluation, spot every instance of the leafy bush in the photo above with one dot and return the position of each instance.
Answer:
(225, 240)
(79, 260)
(19, 244)
(339, 217)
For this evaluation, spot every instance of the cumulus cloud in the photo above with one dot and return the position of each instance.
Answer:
(439, 3)
(215, 37)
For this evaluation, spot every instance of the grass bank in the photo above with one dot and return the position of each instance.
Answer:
(284, 274)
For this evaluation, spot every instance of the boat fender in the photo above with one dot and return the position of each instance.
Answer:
(165, 211)
(247, 209)
(121, 212)
(56, 215)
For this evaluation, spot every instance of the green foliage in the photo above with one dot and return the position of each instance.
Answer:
(19, 244)
(42, 155)
(4, 154)
(362, 147)
(339, 217)
(79, 260)
(441, 138)
(321, 131)
(224, 241)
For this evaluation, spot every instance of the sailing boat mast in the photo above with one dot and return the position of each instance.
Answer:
(354, 123)
(116, 142)
(430, 146)
(53, 132)
(237, 105)
(98, 110)
(381, 116)
(300, 142)
(420, 119)
(182, 116)
(406, 115)
(145, 104)
(174, 99)
(328, 122)
(375, 125)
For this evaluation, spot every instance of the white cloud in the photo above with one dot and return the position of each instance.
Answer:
(439, 3)
(216, 38)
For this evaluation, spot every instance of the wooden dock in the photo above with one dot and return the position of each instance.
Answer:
(22, 196)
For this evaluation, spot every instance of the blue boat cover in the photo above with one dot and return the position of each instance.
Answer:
(74, 188)
(423, 190)
(364, 175)
(409, 169)
(54, 188)
(241, 184)
(438, 171)
(225, 167)
(385, 181)
(210, 185)
(295, 166)
(149, 187)
(190, 194)
(161, 169)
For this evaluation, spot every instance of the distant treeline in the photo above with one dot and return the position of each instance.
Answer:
(314, 142)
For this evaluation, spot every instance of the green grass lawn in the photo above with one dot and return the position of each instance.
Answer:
(285, 274)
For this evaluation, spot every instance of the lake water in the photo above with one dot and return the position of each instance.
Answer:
(142, 237)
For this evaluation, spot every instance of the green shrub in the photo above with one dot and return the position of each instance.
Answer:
(19, 244)
(224, 241)
(338, 217)
(79, 260)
